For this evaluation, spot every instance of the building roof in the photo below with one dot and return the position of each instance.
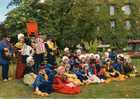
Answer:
(133, 41)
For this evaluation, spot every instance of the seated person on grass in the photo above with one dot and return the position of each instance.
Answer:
(29, 74)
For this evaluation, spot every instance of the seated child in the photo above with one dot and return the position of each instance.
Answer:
(112, 73)
(81, 75)
(65, 62)
(81, 71)
(67, 52)
(62, 85)
(29, 76)
(71, 77)
(72, 62)
(118, 66)
(92, 78)
(92, 67)
(129, 69)
(103, 74)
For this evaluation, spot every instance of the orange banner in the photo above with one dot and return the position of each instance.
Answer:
(32, 28)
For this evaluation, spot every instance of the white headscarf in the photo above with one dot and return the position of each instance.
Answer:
(66, 49)
(30, 58)
(20, 35)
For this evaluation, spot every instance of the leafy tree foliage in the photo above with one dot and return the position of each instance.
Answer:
(71, 21)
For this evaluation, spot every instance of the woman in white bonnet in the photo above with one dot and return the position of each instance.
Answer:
(29, 76)
(78, 52)
(20, 65)
(67, 52)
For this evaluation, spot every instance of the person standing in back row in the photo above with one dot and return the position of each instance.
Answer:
(5, 54)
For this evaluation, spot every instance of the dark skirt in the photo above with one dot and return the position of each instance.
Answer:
(51, 59)
(20, 68)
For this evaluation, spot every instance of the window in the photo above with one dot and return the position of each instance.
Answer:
(97, 8)
(127, 24)
(126, 9)
(112, 10)
(133, 47)
(112, 23)
(98, 28)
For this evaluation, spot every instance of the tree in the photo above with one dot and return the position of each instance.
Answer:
(71, 21)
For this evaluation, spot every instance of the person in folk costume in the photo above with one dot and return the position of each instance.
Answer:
(77, 57)
(51, 50)
(97, 62)
(71, 77)
(27, 51)
(20, 65)
(112, 73)
(112, 54)
(92, 74)
(83, 64)
(118, 65)
(5, 54)
(82, 72)
(72, 62)
(39, 47)
(92, 67)
(62, 85)
(42, 85)
(102, 73)
(29, 75)
(67, 52)
(65, 62)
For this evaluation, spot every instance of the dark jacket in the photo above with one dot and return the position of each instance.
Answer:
(4, 44)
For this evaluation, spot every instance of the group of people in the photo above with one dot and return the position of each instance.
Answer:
(40, 49)
(36, 65)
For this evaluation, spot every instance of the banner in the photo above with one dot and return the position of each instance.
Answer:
(32, 28)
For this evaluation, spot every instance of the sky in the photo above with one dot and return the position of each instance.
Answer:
(4, 9)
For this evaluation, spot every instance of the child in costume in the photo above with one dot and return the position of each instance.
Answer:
(71, 77)
(117, 65)
(62, 85)
(42, 85)
(40, 50)
(76, 62)
(92, 67)
(72, 62)
(103, 74)
(29, 75)
(81, 71)
(65, 62)
(97, 62)
(67, 52)
(129, 69)
(111, 73)
(92, 74)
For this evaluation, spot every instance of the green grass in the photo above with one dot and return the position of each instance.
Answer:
(123, 89)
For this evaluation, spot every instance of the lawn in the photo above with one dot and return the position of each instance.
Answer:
(123, 89)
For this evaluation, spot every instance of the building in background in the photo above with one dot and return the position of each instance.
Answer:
(122, 15)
